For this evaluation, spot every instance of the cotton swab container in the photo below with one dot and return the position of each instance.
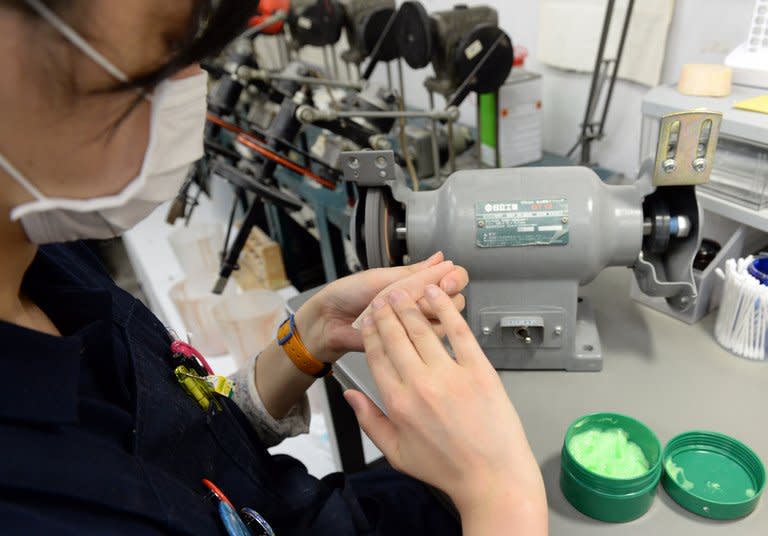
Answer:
(742, 320)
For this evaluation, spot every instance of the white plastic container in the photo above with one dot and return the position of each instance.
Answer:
(194, 300)
(198, 247)
(249, 321)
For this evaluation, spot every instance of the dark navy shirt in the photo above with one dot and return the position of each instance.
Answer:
(97, 437)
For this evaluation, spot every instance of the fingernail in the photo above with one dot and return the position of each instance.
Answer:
(432, 291)
(367, 321)
(449, 286)
(433, 257)
(396, 296)
(378, 303)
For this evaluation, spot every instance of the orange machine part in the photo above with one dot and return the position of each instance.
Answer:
(253, 143)
(268, 8)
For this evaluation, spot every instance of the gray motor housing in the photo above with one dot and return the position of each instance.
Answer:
(529, 237)
(522, 302)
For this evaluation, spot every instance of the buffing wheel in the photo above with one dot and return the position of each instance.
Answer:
(414, 35)
(372, 28)
(318, 25)
(374, 229)
(473, 48)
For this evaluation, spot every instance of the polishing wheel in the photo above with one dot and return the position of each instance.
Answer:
(374, 229)
(371, 30)
(414, 35)
(473, 48)
(318, 24)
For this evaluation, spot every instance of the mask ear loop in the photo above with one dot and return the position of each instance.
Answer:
(22, 180)
(81, 44)
(73, 37)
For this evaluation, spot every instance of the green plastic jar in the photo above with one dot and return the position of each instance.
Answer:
(615, 500)
(712, 475)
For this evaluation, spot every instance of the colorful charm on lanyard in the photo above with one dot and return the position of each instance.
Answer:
(196, 387)
(196, 376)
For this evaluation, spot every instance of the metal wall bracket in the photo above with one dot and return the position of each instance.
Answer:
(369, 168)
(686, 148)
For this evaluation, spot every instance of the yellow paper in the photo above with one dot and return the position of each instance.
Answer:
(755, 104)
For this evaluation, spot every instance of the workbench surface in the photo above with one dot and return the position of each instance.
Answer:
(672, 376)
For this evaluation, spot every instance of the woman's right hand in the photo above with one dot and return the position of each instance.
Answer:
(449, 423)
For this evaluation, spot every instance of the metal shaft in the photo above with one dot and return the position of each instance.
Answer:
(335, 62)
(309, 114)
(326, 63)
(266, 76)
(617, 62)
(435, 150)
(451, 148)
(585, 140)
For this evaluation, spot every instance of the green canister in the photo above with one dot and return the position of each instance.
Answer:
(606, 498)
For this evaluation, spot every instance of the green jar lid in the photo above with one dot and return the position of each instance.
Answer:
(712, 475)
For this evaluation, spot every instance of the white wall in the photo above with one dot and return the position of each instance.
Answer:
(702, 31)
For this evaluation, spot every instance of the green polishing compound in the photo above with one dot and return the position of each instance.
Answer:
(611, 465)
(608, 453)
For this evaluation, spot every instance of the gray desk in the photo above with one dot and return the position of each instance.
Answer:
(672, 376)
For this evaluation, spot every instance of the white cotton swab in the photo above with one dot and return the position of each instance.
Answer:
(742, 321)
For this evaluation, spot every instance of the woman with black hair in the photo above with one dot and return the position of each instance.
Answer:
(103, 110)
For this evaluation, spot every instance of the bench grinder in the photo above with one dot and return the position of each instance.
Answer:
(530, 236)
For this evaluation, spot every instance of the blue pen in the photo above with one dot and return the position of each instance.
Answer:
(232, 522)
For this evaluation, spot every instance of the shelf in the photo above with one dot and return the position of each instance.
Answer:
(757, 219)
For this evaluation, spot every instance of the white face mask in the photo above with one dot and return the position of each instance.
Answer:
(175, 141)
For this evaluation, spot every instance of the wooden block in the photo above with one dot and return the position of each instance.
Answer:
(261, 263)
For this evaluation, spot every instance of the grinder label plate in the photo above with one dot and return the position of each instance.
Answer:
(534, 222)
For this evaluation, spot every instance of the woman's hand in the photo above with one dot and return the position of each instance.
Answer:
(325, 321)
(449, 422)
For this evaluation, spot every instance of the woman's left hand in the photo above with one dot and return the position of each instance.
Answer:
(325, 321)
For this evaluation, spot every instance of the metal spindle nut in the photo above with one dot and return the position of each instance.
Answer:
(306, 114)
(669, 165)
